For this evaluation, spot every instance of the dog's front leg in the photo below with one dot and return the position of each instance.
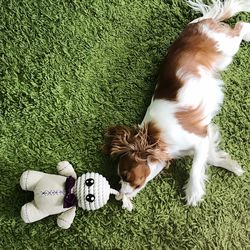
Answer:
(195, 188)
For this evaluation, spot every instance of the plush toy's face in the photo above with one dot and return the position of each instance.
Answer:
(90, 197)
(92, 190)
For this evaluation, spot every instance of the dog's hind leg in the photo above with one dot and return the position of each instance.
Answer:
(218, 157)
(227, 40)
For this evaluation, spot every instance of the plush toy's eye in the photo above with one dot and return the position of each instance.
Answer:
(90, 198)
(89, 182)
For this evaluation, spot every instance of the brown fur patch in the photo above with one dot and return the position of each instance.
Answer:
(116, 140)
(190, 50)
(140, 143)
(191, 120)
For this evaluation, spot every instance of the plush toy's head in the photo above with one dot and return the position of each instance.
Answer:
(92, 191)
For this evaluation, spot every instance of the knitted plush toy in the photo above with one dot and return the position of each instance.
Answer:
(54, 194)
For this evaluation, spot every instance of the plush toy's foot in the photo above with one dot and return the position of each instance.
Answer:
(30, 213)
(29, 179)
(65, 219)
(63, 223)
(65, 168)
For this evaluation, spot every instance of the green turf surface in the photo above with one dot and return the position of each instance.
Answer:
(71, 68)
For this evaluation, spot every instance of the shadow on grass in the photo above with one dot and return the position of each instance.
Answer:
(14, 200)
(177, 175)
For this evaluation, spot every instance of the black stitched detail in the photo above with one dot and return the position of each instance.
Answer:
(52, 192)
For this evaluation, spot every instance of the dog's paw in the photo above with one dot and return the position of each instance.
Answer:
(126, 201)
(236, 168)
(194, 194)
(127, 204)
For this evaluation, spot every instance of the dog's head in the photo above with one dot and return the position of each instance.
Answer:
(135, 148)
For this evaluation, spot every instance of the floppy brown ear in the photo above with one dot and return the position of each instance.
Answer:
(156, 150)
(159, 154)
(117, 140)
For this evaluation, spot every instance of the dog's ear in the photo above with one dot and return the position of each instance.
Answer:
(117, 140)
(158, 154)
(156, 149)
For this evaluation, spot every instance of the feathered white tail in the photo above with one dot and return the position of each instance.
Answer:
(219, 10)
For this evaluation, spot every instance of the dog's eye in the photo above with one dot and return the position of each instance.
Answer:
(90, 198)
(89, 182)
(138, 186)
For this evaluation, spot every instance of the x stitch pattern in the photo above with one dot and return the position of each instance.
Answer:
(52, 192)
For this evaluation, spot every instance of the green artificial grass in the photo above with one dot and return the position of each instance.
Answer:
(69, 69)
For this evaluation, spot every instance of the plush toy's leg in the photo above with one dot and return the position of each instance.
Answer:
(65, 168)
(30, 213)
(29, 179)
(65, 219)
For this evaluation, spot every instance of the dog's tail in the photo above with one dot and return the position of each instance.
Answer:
(219, 10)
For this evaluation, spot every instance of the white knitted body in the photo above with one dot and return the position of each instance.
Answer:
(48, 191)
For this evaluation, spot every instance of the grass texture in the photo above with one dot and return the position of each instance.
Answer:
(68, 70)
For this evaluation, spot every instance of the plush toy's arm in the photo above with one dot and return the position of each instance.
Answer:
(65, 219)
(65, 168)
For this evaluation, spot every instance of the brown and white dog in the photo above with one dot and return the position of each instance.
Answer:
(189, 93)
